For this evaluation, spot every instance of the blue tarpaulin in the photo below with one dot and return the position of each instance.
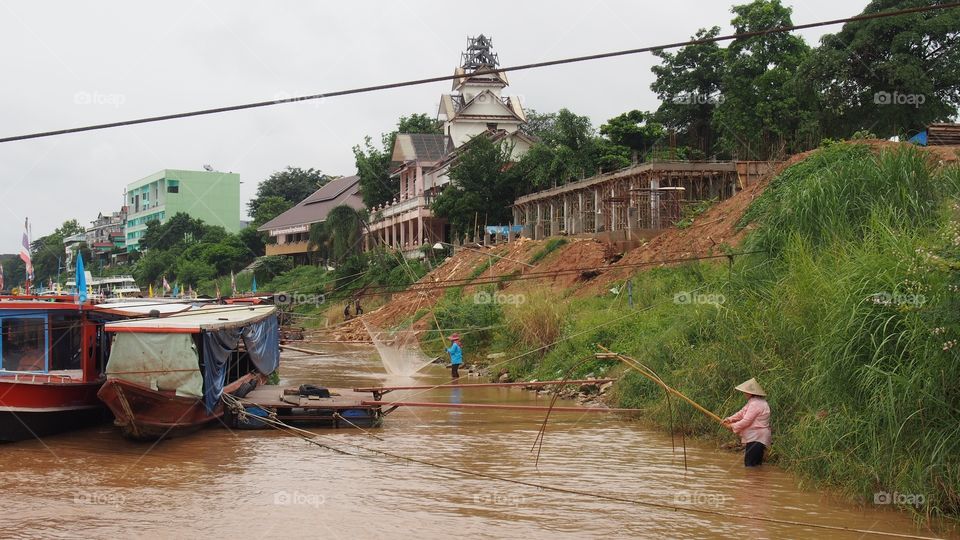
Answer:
(502, 229)
(919, 138)
(262, 341)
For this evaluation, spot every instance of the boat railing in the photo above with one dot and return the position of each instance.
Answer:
(28, 377)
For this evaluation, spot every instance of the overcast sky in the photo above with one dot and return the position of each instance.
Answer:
(67, 64)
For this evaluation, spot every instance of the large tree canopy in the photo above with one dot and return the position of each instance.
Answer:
(292, 184)
(890, 76)
(759, 115)
(688, 84)
(635, 130)
(482, 186)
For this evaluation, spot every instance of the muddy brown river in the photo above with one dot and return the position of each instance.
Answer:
(266, 484)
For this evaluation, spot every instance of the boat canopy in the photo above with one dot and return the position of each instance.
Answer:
(222, 329)
(131, 309)
(197, 320)
(162, 362)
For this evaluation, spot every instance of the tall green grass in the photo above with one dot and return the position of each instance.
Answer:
(850, 321)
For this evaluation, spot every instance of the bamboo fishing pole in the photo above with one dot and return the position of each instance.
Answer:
(650, 374)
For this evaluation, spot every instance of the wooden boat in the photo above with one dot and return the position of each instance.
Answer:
(165, 377)
(52, 355)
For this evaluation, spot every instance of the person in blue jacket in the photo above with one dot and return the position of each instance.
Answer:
(456, 355)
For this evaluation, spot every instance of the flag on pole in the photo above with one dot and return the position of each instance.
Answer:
(1, 277)
(81, 280)
(25, 249)
(189, 291)
(176, 290)
(233, 283)
(166, 285)
(253, 287)
(217, 285)
(150, 291)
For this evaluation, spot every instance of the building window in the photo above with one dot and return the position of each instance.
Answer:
(173, 186)
(492, 126)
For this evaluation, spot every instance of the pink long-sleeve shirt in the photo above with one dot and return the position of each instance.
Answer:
(752, 422)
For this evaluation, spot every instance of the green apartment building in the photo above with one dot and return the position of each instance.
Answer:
(211, 196)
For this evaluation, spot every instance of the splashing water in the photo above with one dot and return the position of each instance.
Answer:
(399, 351)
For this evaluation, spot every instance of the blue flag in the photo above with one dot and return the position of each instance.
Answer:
(254, 285)
(81, 280)
(176, 290)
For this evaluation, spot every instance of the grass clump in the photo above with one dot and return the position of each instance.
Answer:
(548, 248)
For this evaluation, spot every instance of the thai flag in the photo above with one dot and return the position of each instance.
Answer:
(1, 277)
(166, 285)
(25, 249)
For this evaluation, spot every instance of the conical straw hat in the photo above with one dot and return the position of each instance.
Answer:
(751, 387)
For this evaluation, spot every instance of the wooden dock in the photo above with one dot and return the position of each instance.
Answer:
(344, 408)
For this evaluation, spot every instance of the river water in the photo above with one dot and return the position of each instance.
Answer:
(267, 484)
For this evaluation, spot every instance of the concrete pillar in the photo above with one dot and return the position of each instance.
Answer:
(420, 232)
(613, 209)
(538, 230)
(597, 211)
(580, 217)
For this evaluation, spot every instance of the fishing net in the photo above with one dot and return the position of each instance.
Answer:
(399, 350)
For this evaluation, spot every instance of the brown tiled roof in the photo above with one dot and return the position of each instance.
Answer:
(342, 191)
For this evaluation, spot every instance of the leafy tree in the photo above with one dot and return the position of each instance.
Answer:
(567, 150)
(891, 76)
(192, 272)
(635, 130)
(292, 184)
(269, 267)
(254, 240)
(153, 265)
(319, 241)
(482, 185)
(688, 84)
(48, 254)
(270, 207)
(346, 229)
(760, 112)
(180, 228)
(373, 164)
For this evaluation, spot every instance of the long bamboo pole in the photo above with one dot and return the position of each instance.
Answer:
(298, 349)
(648, 373)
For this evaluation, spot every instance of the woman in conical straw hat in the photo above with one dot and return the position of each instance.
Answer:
(752, 423)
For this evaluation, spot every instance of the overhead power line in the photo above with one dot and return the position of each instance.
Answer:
(521, 67)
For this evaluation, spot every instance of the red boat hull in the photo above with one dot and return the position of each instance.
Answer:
(146, 414)
(35, 406)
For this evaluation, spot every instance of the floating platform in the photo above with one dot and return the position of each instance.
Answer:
(343, 409)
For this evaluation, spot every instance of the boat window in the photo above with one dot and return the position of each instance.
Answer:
(65, 350)
(23, 343)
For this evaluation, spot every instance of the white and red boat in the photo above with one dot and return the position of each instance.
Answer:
(52, 354)
(165, 376)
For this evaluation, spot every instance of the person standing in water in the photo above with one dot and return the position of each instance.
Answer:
(456, 355)
(752, 423)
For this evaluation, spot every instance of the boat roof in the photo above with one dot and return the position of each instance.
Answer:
(196, 321)
(142, 308)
